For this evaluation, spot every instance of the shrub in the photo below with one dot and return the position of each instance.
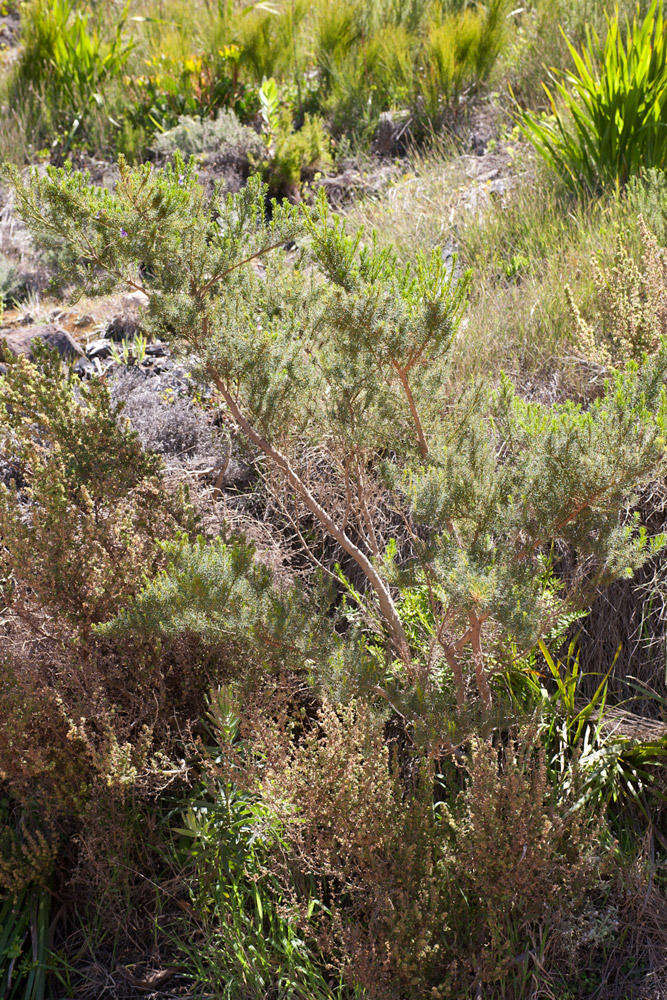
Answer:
(387, 66)
(348, 360)
(422, 56)
(10, 283)
(426, 900)
(218, 593)
(197, 135)
(82, 524)
(24, 919)
(459, 52)
(613, 116)
(647, 196)
(338, 30)
(631, 310)
(245, 938)
(197, 86)
(298, 155)
(267, 39)
(65, 61)
(86, 724)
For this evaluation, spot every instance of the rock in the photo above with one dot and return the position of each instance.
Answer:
(10, 473)
(100, 348)
(391, 132)
(122, 328)
(3, 369)
(478, 143)
(10, 27)
(158, 349)
(50, 336)
(84, 320)
(134, 301)
(85, 368)
(102, 172)
(237, 475)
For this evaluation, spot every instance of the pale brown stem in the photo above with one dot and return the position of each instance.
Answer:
(368, 522)
(572, 516)
(403, 379)
(453, 661)
(281, 463)
(450, 656)
(478, 659)
(452, 650)
(240, 263)
(220, 479)
(348, 494)
(454, 532)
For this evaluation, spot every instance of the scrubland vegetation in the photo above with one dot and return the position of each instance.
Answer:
(332, 578)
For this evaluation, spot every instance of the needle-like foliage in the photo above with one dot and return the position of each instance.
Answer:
(342, 348)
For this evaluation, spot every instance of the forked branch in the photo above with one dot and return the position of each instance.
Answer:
(284, 466)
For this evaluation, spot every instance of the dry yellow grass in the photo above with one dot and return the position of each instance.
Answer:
(525, 243)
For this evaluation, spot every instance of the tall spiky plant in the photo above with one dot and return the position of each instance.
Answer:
(609, 116)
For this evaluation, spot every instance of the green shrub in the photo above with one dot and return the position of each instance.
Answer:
(350, 359)
(422, 56)
(217, 592)
(24, 932)
(267, 39)
(244, 938)
(387, 67)
(198, 86)
(459, 52)
(647, 197)
(66, 62)
(612, 121)
(225, 133)
(338, 30)
(583, 747)
(295, 156)
(12, 286)
(83, 522)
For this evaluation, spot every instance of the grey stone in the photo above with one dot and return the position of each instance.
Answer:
(122, 328)
(10, 473)
(157, 349)
(133, 302)
(51, 336)
(85, 368)
(391, 132)
(84, 320)
(100, 348)
(237, 474)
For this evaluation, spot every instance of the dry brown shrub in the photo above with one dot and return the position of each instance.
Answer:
(423, 900)
(627, 624)
(86, 507)
(630, 301)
